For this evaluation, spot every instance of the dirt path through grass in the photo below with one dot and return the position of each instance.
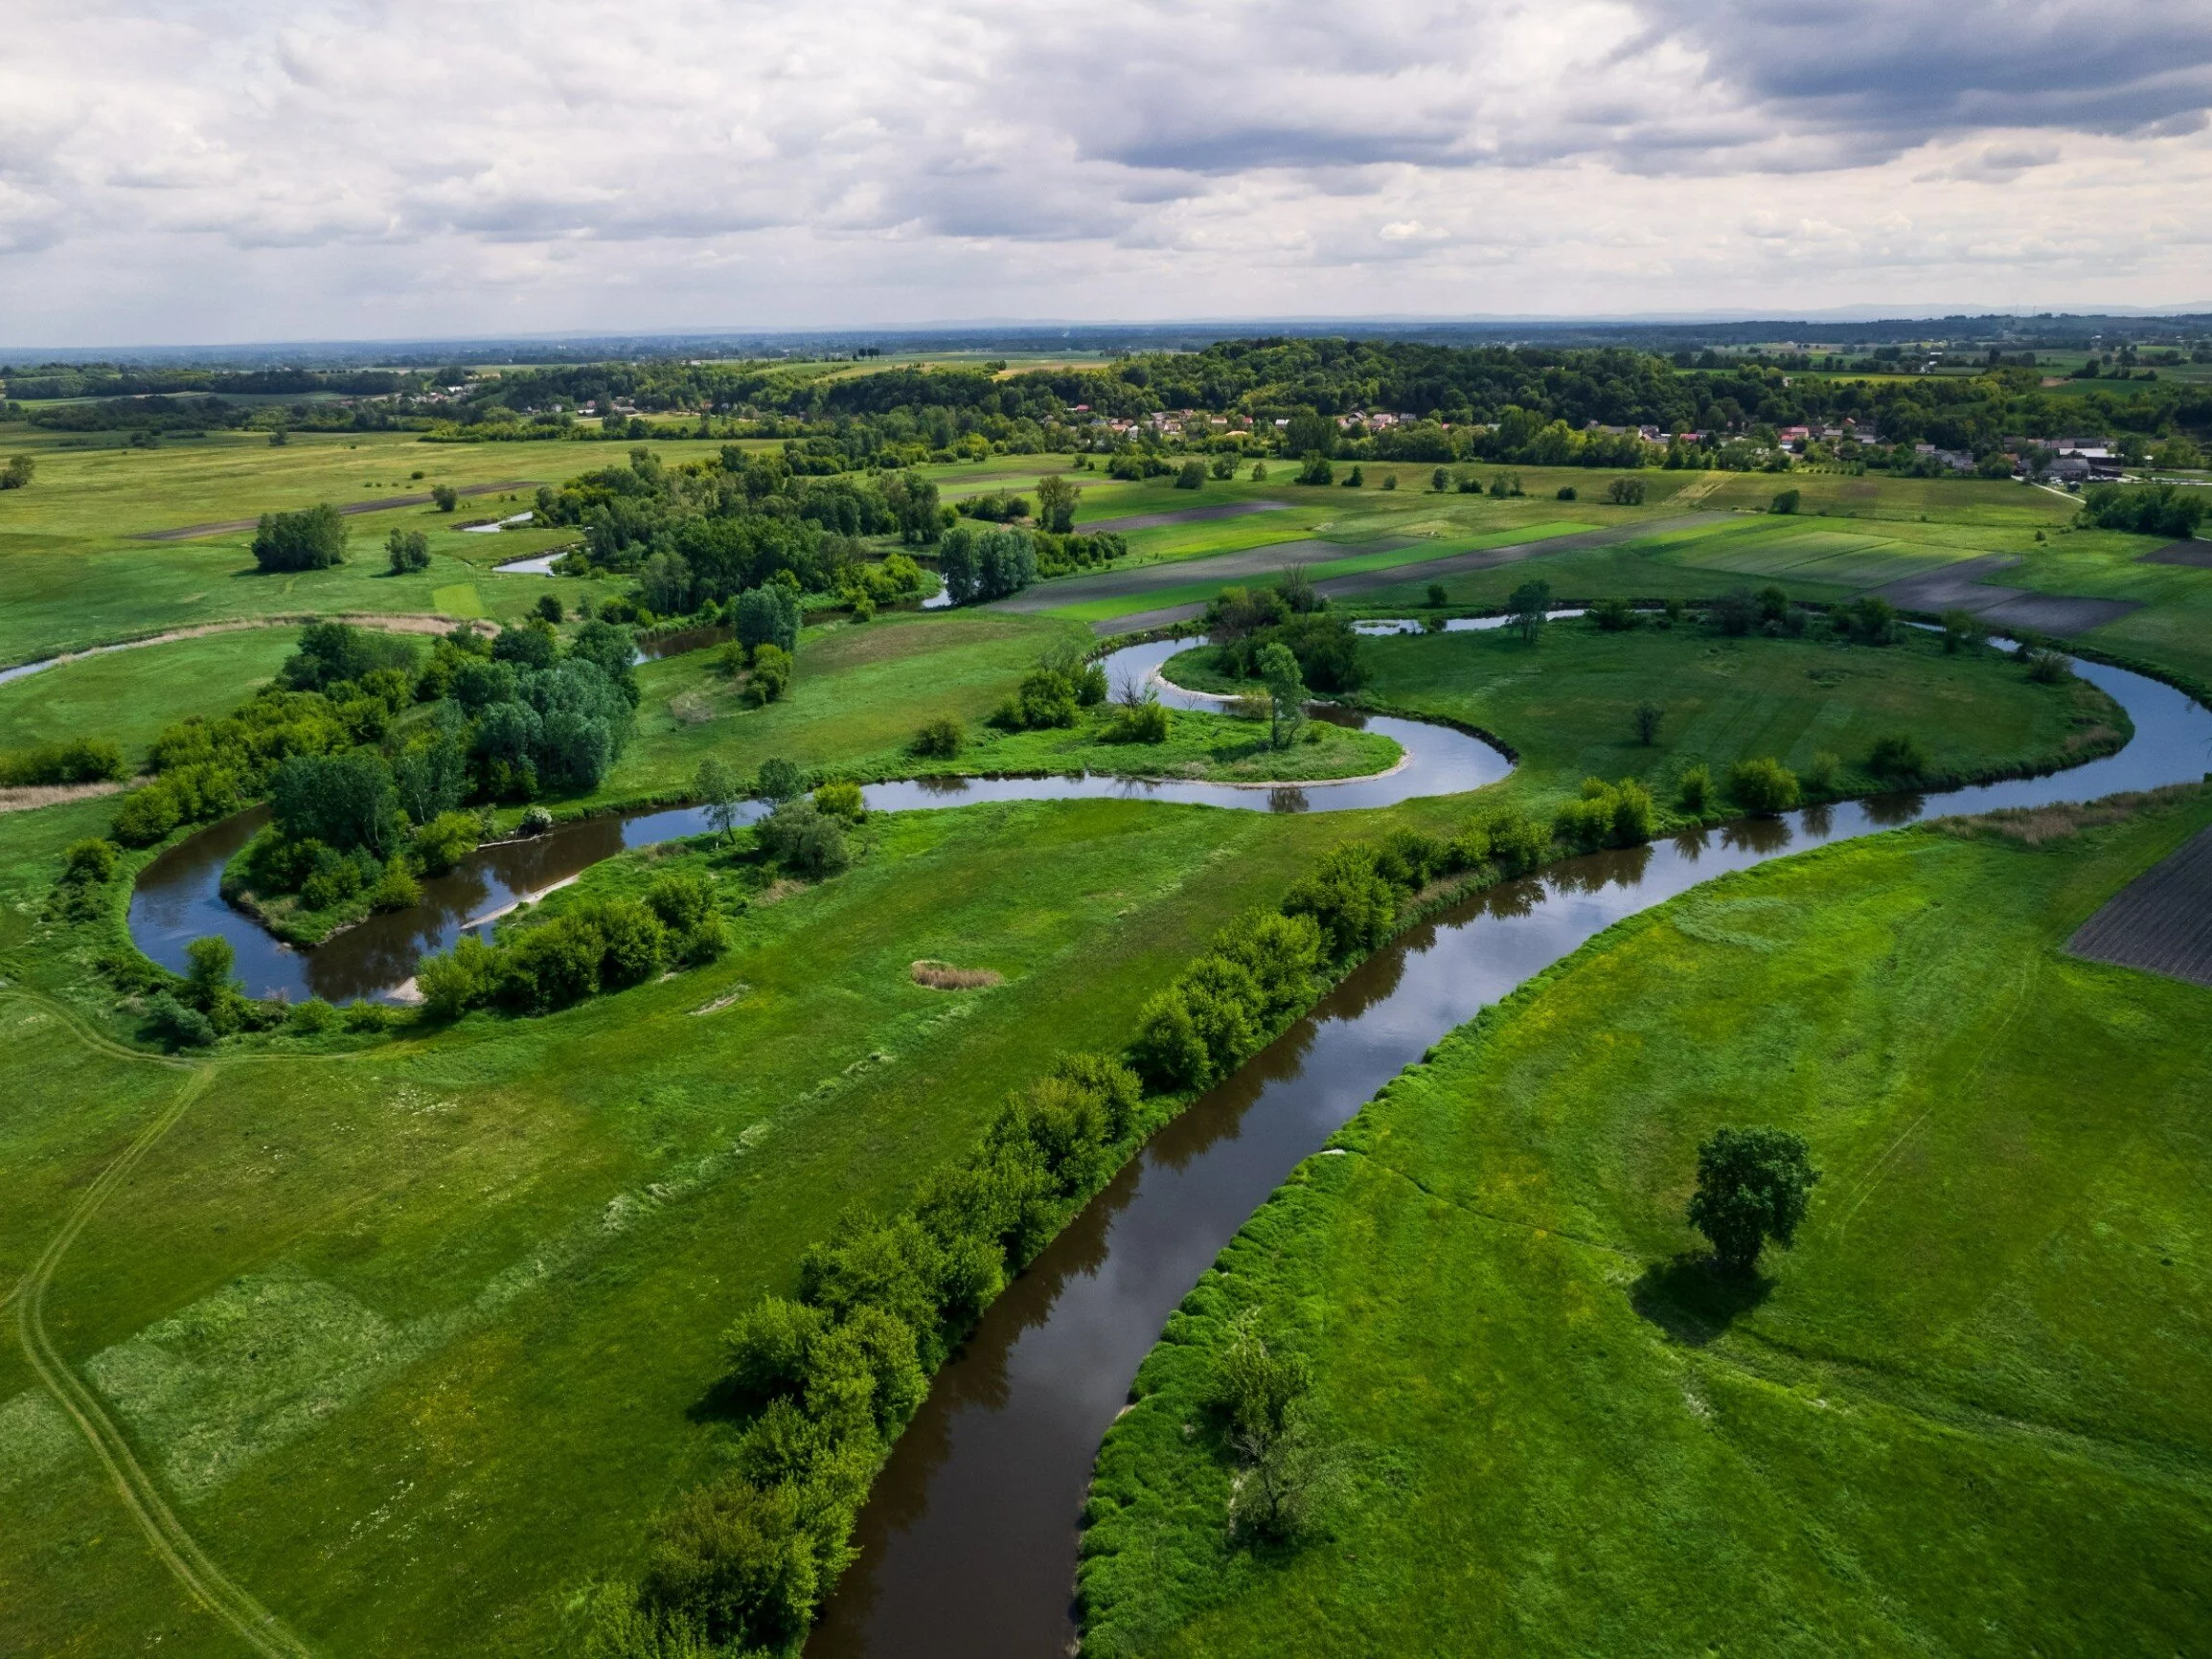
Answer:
(383, 504)
(175, 1546)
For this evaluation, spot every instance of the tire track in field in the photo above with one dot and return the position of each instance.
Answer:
(172, 1542)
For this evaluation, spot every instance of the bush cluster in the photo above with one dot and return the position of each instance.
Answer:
(72, 761)
(600, 944)
(1607, 815)
(1051, 695)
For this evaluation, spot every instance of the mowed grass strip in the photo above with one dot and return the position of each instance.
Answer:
(130, 695)
(1961, 1415)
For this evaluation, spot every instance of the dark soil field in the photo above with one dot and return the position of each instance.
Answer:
(2161, 921)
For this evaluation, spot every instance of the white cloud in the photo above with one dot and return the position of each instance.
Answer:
(179, 170)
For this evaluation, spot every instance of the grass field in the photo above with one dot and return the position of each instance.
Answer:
(130, 695)
(1566, 703)
(1966, 1414)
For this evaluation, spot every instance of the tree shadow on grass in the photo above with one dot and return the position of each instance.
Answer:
(1694, 1301)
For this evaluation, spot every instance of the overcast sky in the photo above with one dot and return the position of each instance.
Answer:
(182, 170)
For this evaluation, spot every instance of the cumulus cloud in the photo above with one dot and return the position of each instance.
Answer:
(172, 167)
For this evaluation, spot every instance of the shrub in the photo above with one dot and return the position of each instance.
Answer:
(1898, 755)
(445, 840)
(1693, 788)
(1566, 492)
(177, 1026)
(311, 1018)
(313, 539)
(1192, 475)
(408, 551)
(88, 863)
(805, 840)
(1869, 619)
(1357, 478)
(636, 943)
(1518, 843)
(1753, 1185)
(1614, 615)
(1821, 777)
(72, 761)
(1960, 628)
(1646, 717)
(535, 821)
(1605, 815)
(453, 984)
(1762, 785)
(1785, 502)
(147, 815)
(395, 889)
(771, 673)
(550, 965)
(1316, 469)
(840, 800)
(18, 472)
(2046, 667)
(1351, 901)
(445, 497)
(1142, 722)
(1437, 597)
(1626, 492)
(940, 739)
(780, 779)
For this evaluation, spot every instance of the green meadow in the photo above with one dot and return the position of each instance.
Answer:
(1566, 703)
(1964, 1414)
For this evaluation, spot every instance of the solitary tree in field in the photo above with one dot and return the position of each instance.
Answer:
(311, 540)
(445, 496)
(719, 790)
(1055, 499)
(408, 550)
(18, 472)
(1528, 604)
(1286, 692)
(1647, 717)
(1753, 1185)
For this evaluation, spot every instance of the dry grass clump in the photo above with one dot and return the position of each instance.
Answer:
(944, 976)
(2037, 825)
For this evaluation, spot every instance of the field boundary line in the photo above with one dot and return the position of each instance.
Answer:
(176, 1547)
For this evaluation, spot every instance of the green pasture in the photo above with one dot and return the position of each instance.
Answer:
(130, 695)
(1966, 1414)
(1566, 703)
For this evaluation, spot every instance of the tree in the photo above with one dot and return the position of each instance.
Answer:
(343, 801)
(444, 496)
(1260, 1397)
(1753, 1188)
(18, 472)
(1626, 492)
(1193, 474)
(768, 615)
(1316, 468)
(1528, 606)
(408, 550)
(1785, 502)
(1286, 692)
(313, 539)
(1437, 597)
(1056, 502)
(1647, 717)
(780, 779)
(721, 793)
(209, 984)
(1440, 480)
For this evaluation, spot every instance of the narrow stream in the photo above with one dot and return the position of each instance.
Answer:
(179, 897)
(968, 1541)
